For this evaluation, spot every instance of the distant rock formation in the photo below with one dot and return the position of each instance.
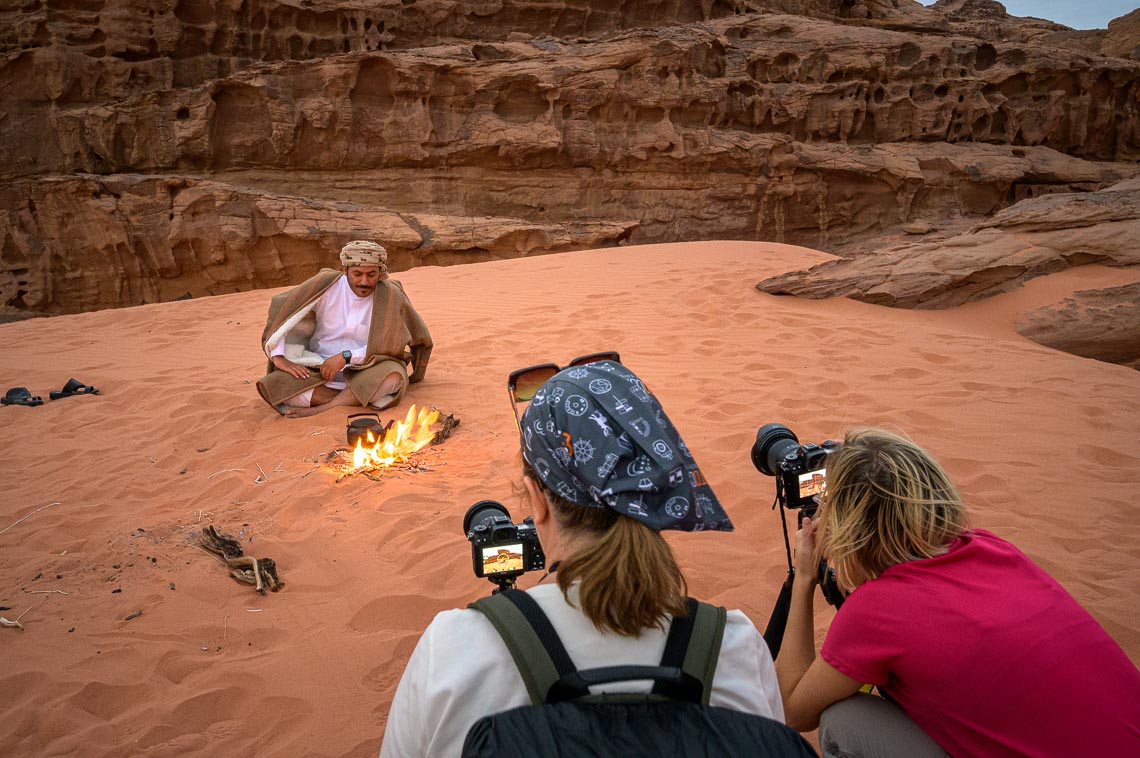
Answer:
(1122, 38)
(567, 123)
(1034, 237)
(1100, 324)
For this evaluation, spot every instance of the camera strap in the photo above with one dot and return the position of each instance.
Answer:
(552, 568)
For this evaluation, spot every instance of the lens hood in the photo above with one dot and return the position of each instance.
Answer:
(773, 443)
(481, 511)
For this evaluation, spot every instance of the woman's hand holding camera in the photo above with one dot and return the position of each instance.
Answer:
(806, 561)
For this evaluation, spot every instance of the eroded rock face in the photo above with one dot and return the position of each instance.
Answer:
(83, 243)
(1034, 237)
(989, 20)
(805, 121)
(1122, 38)
(99, 50)
(653, 100)
(1099, 324)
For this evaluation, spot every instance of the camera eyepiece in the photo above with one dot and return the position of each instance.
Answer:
(773, 443)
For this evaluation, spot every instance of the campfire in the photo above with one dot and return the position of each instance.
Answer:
(395, 446)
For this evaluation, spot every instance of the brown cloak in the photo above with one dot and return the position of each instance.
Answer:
(396, 337)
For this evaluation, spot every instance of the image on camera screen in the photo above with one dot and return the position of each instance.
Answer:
(813, 483)
(502, 558)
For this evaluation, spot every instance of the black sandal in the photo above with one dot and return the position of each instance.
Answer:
(21, 396)
(73, 387)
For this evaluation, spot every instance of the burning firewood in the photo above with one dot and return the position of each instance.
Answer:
(446, 425)
(260, 572)
(399, 447)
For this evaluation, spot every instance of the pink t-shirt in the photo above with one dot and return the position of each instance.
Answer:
(989, 655)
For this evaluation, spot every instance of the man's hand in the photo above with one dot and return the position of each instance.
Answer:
(331, 366)
(282, 363)
(805, 550)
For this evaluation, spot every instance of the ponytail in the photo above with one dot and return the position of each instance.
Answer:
(629, 579)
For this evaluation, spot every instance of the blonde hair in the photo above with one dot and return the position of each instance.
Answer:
(628, 578)
(888, 501)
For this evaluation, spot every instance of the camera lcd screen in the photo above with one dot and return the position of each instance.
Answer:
(500, 558)
(813, 483)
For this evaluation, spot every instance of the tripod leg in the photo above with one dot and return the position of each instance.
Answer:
(778, 620)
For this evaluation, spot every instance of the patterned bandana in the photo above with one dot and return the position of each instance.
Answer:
(364, 253)
(596, 436)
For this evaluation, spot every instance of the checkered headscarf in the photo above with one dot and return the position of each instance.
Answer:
(364, 253)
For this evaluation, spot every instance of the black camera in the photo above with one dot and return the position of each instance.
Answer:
(501, 550)
(801, 470)
(801, 477)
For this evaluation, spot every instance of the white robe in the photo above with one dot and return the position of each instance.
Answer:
(343, 320)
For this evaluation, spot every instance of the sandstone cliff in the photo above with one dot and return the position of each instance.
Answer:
(131, 239)
(564, 124)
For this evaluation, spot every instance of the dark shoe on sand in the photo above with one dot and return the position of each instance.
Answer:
(21, 396)
(73, 387)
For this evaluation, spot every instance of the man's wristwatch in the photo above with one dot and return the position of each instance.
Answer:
(347, 355)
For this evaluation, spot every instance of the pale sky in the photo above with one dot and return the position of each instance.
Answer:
(1082, 14)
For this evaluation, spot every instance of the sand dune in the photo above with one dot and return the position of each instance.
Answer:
(1043, 443)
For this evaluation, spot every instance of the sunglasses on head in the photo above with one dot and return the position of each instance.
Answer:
(524, 382)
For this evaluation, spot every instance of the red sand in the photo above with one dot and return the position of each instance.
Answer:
(1044, 445)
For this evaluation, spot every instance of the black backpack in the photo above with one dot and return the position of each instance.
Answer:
(566, 720)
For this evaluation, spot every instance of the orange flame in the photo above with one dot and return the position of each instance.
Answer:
(403, 439)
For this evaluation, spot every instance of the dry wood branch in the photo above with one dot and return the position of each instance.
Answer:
(16, 624)
(260, 572)
(37, 510)
(223, 545)
(25, 613)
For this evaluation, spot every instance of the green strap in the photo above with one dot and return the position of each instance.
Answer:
(704, 645)
(539, 672)
(531, 659)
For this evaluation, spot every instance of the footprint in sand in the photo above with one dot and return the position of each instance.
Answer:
(935, 358)
(109, 700)
(175, 666)
(1111, 458)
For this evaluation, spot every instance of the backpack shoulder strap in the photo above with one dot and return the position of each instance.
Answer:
(693, 645)
(528, 634)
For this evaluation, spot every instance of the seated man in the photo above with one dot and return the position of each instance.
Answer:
(343, 338)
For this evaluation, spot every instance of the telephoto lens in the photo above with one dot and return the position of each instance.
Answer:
(773, 444)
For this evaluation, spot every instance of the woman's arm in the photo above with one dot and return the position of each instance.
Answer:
(807, 684)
